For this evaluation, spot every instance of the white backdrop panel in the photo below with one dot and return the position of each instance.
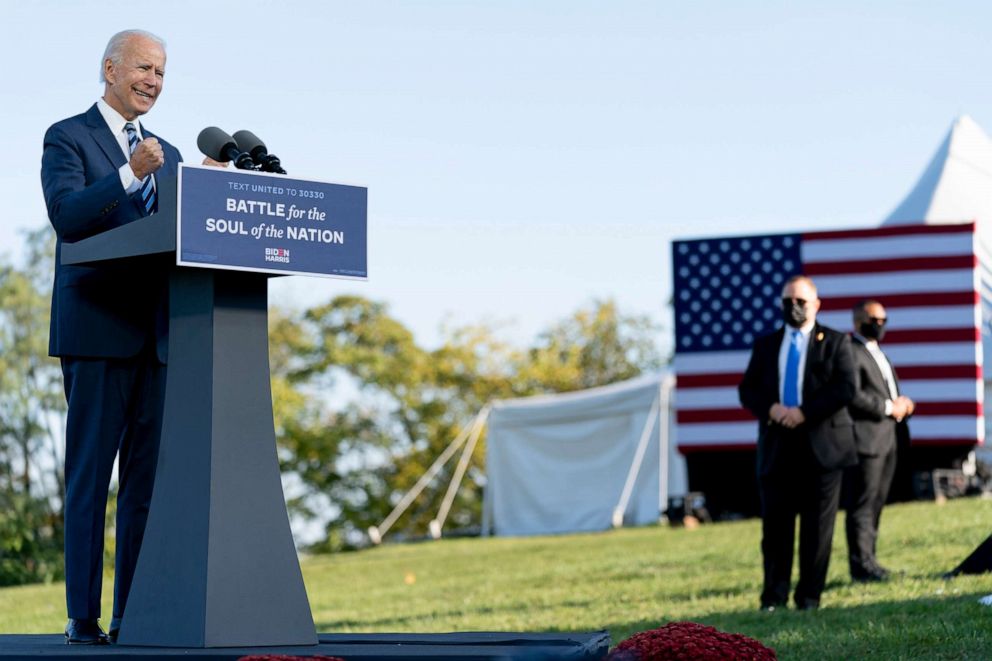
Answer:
(558, 464)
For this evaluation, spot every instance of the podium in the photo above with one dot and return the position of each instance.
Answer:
(218, 566)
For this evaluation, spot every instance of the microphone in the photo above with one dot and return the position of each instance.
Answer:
(221, 147)
(251, 143)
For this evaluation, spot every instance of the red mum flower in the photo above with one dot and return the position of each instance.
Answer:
(692, 642)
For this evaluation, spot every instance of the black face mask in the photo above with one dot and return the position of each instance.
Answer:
(872, 330)
(794, 314)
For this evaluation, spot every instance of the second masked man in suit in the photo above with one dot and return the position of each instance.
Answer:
(879, 413)
(798, 384)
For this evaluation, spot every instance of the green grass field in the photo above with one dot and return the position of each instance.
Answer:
(635, 579)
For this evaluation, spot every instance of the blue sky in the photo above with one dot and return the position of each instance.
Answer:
(523, 158)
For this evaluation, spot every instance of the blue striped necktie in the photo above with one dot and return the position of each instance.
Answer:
(790, 387)
(149, 199)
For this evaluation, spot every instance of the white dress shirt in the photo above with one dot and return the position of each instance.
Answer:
(783, 356)
(885, 367)
(116, 121)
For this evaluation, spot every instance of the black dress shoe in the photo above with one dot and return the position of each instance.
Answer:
(772, 606)
(84, 632)
(807, 604)
(114, 630)
(874, 575)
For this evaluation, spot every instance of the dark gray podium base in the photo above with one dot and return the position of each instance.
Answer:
(218, 567)
(351, 647)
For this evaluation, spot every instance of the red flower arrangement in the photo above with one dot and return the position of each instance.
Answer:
(688, 641)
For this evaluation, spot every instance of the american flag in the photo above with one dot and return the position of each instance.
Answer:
(927, 276)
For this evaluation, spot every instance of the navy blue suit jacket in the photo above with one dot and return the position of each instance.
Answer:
(104, 311)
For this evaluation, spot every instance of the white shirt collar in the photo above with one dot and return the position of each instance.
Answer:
(805, 329)
(871, 344)
(114, 119)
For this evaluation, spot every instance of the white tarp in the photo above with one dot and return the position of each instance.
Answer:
(560, 463)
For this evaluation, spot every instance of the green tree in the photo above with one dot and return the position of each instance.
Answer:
(357, 457)
(31, 409)
(595, 346)
(407, 403)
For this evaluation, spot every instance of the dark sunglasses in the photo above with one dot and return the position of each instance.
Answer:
(878, 320)
(788, 301)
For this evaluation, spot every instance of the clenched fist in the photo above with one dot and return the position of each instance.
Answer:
(147, 158)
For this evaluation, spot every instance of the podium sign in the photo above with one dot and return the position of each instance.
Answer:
(250, 221)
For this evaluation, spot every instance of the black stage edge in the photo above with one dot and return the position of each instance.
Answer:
(363, 647)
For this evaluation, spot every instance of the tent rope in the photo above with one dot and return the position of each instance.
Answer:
(376, 533)
(456, 480)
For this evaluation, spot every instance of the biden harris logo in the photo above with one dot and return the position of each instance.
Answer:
(280, 255)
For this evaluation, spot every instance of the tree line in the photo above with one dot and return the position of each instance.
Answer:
(361, 408)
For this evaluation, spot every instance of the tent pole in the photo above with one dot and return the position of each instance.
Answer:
(635, 466)
(664, 443)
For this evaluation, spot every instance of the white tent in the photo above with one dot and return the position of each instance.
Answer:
(956, 187)
(957, 184)
(581, 461)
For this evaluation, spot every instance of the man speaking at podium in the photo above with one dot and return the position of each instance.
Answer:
(109, 323)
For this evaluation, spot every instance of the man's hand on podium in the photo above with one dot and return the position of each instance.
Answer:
(147, 158)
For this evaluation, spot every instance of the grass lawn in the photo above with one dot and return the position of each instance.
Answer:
(635, 579)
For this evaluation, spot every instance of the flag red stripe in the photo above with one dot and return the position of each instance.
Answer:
(906, 373)
(935, 372)
(933, 335)
(932, 299)
(949, 408)
(743, 446)
(941, 263)
(713, 415)
(689, 416)
(899, 230)
(712, 380)
(749, 445)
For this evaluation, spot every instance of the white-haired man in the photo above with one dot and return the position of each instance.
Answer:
(100, 170)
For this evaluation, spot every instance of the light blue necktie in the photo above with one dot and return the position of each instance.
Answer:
(790, 388)
(147, 190)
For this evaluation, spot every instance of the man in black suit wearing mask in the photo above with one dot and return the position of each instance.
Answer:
(798, 384)
(879, 413)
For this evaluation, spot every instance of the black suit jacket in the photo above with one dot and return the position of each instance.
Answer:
(106, 311)
(828, 387)
(874, 432)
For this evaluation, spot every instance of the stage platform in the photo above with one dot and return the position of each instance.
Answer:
(351, 647)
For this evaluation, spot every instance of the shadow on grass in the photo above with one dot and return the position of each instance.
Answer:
(933, 627)
(938, 627)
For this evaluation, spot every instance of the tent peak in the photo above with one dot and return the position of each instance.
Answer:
(956, 185)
